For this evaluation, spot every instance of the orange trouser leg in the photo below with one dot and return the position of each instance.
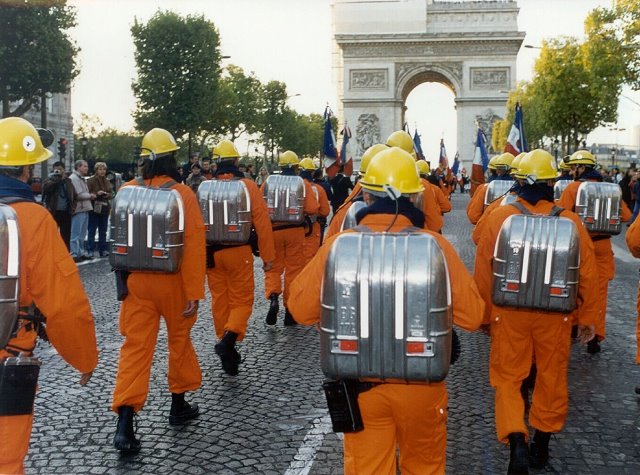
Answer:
(293, 258)
(139, 324)
(638, 328)
(603, 291)
(605, 263)
(390, 420)
(510, 363)
(231, 284)
(311, 243)
(273, 277)
(552, 346)
(15, 432)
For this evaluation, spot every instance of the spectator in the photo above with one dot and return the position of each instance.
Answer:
(59, 197)
(80, 218)
(340, 186)
(262, 177)
(636, 195)
(186, 168)
(250, 171)
(100, 186)
(195, 177)
(207, 170)
(625, 186)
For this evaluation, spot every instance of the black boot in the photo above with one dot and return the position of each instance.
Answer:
(288, 318)
(181, 410)
(637, 389)
(519, 461)
(539, 453)
(593, 346)
(272, 314)
(229, 356)
(527, 386)
(125, 439)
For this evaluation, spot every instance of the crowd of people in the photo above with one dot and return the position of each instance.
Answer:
(395, 197)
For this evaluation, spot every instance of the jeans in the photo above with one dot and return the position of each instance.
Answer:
(79, 224)
(99, 222)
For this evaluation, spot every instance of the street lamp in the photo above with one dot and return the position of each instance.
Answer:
(84, 142)
(532, 47)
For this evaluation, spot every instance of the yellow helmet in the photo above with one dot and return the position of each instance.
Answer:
(20, 143)
(288, 159)
(423, 167)
(368, 155)
(515, 164)
(225, 150)
(158, 141)
(307, 164)
(504, 161)
(492, 162)
(564, 166)
(392, 168)
(582, 157)
(402, 139)
(537, 165)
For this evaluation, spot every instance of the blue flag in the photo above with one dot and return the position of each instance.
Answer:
(456, 164)
(417, 145)
(331, 163)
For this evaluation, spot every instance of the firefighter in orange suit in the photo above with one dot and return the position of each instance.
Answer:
(499, 168)
(231, 280)
(438, 194)
(48, 279)
(312, 239)
(583, 164)
(518, 333)
(289, 243)
(153, 295)
(389, 410)
(356, 194)
(633, 243)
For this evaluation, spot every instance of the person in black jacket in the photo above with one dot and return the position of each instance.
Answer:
(59, 197)
(341, 186)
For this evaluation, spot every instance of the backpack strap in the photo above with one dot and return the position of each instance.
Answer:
(556, 210)
(361, 229)
(520, 207)
(166, 185)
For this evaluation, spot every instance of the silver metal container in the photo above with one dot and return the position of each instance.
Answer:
(9, 272)
(508, 199)
(496, 189)
(350, 217)
(536, 263)
(559, 187)
(147, 229)
(226, 209)
(598, 205)
(386, 308)
(285, 195)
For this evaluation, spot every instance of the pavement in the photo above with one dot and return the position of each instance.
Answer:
(272, 417)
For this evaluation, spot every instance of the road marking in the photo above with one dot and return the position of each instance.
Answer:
(623, 254)
(303, 460)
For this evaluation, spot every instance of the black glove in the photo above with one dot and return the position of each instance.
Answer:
(456, 349)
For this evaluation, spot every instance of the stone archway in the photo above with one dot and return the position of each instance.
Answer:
(383, 50)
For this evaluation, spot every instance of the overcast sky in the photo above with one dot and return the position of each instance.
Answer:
(290, 41)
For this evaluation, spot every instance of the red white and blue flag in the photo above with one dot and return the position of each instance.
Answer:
(417, 145)
(331, 158)
(516, 142)
(443, 161)
(456, 164)
(345, 158)
(480, 161)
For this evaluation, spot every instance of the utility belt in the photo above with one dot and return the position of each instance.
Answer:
(599, 237)
(342, 401)
(213, 248)
(280, 227)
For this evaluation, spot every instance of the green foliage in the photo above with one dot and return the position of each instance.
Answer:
(178, 62)
(274, 115)
(304, 134)
(113, 146)
(36, 54)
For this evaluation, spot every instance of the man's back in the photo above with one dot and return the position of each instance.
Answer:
(340, 186)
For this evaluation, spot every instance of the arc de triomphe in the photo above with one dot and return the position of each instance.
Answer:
(383, 49)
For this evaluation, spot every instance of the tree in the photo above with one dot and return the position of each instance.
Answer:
(36, 54)
(303, 134)
(534, 130)
(236, 111)
(274, 117)
(178, 62)
(115, 147)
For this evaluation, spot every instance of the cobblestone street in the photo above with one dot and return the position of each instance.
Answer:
(272, 417)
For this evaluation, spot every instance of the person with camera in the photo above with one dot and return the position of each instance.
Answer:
(59, 197)
(101, 187)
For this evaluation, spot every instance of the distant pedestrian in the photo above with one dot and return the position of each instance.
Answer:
(195, 177)
(59, 197)
(262, 177)
(80, 218)
(100, 186)
(340, 186)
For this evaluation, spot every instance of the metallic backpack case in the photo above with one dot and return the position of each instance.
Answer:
(350, 217)
(559, 187)
(598, 205)
(147, 230)
(536, 263)
(226, 209)
(285, 195)
(495, 190)
(386, 308)
(9, 272)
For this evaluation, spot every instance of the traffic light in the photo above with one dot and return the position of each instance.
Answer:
(62, 148)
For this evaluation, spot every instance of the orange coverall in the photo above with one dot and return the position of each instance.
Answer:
(231, 280)
(48, 278)
(341, 212)
(518, 333)
(389, 410)
(633, 243)
(153, 295)
(312, 241)
(475, 207)
(441, 199)
(289, 244)
(605, 262)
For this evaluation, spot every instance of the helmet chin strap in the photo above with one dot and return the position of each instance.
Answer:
(394, 194)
